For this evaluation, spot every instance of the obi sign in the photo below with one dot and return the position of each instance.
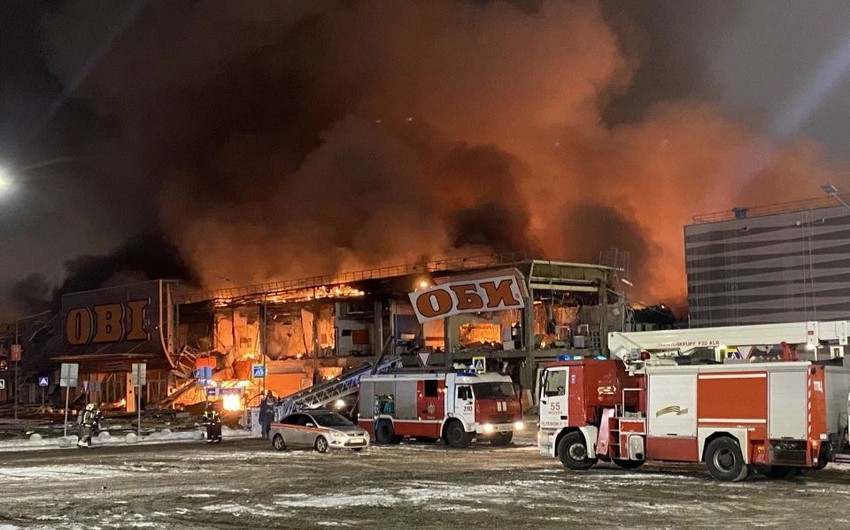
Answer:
(107, 323)
(470, 296)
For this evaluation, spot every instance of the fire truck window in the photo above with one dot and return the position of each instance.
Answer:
(464, 392)
(431, 388)
(495, 390)
(556, 383)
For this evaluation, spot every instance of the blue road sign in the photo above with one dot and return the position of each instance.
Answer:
(258, 371)
(42, 381)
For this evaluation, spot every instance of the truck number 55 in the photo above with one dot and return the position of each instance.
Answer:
(555, 406)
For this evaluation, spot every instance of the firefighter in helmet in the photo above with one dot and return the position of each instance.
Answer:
(212, 421)
(89, 421)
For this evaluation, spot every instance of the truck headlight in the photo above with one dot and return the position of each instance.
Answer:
(518, 425)
(488, 428)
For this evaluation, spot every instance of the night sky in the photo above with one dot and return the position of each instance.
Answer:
(225, 141)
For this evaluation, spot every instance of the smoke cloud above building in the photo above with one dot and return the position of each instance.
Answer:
(285, 139)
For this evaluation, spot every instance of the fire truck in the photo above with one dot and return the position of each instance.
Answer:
(736, 416)
(457, 407)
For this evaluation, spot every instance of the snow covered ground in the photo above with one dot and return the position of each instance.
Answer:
(244, 483)
(106, 438)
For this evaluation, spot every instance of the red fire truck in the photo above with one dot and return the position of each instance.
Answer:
(457, 407)
(772, 417)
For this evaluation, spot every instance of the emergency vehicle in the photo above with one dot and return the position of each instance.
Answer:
(771, 417)
(457, 407)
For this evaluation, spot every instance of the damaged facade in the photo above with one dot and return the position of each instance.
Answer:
(287, 336)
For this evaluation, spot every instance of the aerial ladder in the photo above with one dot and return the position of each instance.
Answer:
(660, 347)
(327, 392)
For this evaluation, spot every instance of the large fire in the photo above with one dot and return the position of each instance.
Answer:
(231, 403)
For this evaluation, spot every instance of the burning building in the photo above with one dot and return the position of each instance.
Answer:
(236, 343)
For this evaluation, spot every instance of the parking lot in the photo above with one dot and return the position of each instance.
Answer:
(245, 484)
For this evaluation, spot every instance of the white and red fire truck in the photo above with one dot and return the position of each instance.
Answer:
(772, 417)
(457, 407)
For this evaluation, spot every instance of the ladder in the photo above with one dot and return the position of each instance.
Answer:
(321, 395)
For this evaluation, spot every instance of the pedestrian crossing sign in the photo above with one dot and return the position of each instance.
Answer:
(479, 365)
(258, 371)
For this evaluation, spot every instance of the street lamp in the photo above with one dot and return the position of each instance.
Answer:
(11, 176)
(832, 191)
(7, 184)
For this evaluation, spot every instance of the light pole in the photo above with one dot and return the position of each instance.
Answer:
(18, 359)
(832, 191)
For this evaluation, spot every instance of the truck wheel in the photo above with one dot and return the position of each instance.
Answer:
(321, 444)
(724, 460)
(502, 438)
(628, 464)
(384, 433)
(456, 436)
(573, 452)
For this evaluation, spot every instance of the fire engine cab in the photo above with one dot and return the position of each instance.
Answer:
(771, 417)
(457, 407)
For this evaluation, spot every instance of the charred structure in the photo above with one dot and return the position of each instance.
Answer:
(301, 332)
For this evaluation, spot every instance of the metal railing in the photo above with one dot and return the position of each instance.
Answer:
(280, 287)
(760, 211)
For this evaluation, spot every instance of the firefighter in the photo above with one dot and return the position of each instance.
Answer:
(89, 425)
(212, 421)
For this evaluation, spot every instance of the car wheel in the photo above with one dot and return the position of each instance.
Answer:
(502, 438)
(456, 436)
(724, 460)
(321, 444)
(278, 443)
(572, 451)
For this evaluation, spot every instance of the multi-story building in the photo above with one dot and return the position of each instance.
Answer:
(781, 263)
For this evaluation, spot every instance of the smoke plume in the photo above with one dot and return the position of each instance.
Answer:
(283, 139)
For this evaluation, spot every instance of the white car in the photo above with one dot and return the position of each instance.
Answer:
(317, 429)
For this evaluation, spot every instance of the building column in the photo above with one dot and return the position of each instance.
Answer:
(528, 372)
(603, 316)
(378, 327)
(130, 393)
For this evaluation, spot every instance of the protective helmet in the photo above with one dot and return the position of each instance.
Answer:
(90, 406)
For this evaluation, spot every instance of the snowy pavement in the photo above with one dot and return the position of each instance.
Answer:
(245, 483)
(107, 439)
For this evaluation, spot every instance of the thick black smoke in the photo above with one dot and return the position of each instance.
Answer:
(146, 256)
(279, 139)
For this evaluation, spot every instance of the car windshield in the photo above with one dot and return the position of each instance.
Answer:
(331, 419)
(493, 390)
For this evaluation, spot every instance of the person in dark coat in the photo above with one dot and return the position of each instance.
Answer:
(267, 414)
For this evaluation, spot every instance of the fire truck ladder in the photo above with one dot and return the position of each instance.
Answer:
(327, 392)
